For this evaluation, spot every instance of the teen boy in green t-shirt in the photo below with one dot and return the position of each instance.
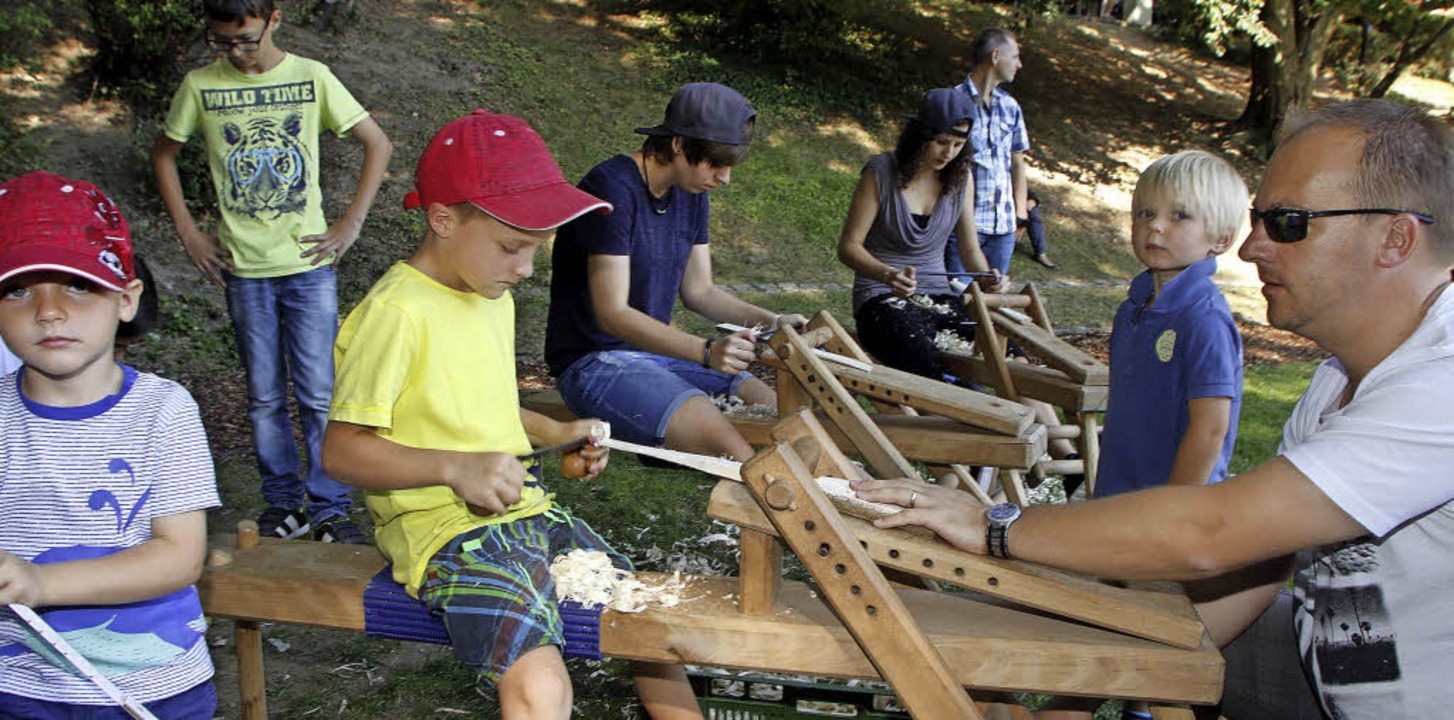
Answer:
(260, 111)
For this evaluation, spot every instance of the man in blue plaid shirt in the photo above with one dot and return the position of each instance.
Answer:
(999, 141)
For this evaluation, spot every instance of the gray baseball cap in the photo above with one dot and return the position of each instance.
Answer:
(943, 108)
(706, 111)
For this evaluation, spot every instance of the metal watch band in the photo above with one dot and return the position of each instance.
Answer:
(997, 540)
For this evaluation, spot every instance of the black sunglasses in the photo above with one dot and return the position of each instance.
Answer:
(1284, 225)
(246, 44)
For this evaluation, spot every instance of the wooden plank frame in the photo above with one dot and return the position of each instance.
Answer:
(988, 646)
(851, 583)
(1152, 615)
(967, 406)
(818, 380)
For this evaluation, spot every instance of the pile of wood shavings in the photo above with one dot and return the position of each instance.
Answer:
(589, 578)
(950, 340)
(924, 301)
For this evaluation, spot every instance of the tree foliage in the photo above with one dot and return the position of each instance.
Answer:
(140, 45)
(778, 29)
(1292, 41)
(22, 27)
(1392, 36)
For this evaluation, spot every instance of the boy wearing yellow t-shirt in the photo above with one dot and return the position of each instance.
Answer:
(426, 417)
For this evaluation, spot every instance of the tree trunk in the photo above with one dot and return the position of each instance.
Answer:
(1283, 74)
(1408, 52)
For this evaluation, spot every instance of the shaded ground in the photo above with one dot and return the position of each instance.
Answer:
(1261, 345)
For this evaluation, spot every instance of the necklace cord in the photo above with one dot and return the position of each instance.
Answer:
(650, 196)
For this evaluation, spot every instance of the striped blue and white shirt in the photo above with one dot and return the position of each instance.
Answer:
(85, 482)
(997, 134)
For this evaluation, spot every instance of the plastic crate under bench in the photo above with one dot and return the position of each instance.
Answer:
(752, 696)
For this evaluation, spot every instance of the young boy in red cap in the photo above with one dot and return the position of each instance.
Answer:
(426, 418)
(106, 471)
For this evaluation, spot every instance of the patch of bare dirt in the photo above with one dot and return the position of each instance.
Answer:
(1261, 345)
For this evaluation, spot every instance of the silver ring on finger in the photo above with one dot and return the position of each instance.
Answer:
(913, 497)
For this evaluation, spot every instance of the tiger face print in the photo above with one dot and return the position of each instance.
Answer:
(267, 167)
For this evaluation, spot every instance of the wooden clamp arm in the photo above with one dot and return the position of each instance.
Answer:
(853, 586)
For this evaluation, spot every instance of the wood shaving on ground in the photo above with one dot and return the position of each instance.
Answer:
(735, 407)
(589, 578)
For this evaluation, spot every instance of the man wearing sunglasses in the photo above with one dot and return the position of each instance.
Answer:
(260, 111)
(1352, 236)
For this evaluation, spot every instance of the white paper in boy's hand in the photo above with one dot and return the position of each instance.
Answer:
(43, 639)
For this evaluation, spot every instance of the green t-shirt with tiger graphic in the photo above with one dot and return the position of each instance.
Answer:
(261, 133)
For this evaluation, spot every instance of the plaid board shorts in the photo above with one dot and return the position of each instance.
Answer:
(493, 587)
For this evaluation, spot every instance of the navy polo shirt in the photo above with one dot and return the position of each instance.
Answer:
(1185, 346)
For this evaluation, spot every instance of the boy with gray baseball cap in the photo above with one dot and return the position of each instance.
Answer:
(609, 338)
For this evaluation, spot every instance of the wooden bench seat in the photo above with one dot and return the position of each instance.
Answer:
(986, 645)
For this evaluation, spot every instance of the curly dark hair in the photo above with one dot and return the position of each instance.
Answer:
(910, 151)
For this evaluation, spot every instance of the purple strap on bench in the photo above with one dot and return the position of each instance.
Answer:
(582, 630)
(389, 612)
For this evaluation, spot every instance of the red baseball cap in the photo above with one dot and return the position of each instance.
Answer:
(50, 223)
(500, 165)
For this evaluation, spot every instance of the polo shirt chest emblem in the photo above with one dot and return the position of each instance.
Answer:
(1165, 345)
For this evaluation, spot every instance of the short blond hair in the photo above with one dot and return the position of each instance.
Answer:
(1208, 185)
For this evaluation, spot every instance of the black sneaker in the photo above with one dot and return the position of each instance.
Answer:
(282, 523)
(339, 529)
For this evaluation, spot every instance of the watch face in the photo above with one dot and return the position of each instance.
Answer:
(1003, 513)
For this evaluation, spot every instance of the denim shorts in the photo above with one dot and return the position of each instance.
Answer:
(638, 392)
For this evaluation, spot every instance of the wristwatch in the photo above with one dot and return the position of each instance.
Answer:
(998, 519)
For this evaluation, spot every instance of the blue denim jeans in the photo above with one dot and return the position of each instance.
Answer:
(638, 392)
(285, 326)
(997, 251)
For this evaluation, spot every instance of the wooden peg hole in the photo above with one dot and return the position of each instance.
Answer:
(958, 572)
(810, 526)
(856, 590)
(871, 610)
(894, 554)
(824, 550)
(840, 568)
(994, 581)
(928, 563)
